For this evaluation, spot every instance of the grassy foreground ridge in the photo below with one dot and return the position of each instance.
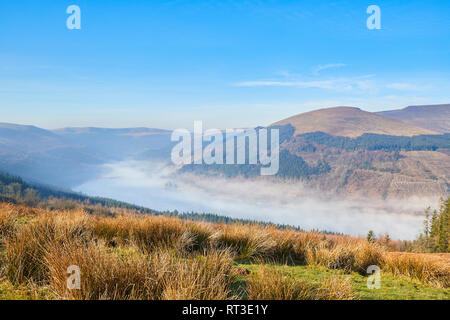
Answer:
(129, 256)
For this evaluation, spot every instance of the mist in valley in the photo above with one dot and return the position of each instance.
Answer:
(156, 185)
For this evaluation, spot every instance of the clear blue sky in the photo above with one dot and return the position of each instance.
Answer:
(229, 63)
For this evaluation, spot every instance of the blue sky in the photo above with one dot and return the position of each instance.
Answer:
(242, 63)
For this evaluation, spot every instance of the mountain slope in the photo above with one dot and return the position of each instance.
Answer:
(350, 122)
(68, 157)
(118, 144)
(19, 137)
(352, 153)
(433, 117)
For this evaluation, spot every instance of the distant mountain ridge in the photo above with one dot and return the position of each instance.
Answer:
(350, 122)
(70, 156)
(432, 117)
(344, 150)
(349, 152)
(138, 131)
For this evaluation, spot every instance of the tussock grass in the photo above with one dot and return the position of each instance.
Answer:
(272, 284)
(247, 241)
(292, 245)
(431, 270)
(159, 275)
(346, 256)
(145, 232)
(24, 250)
(367, 254)
(11, 216)
(335, 288)
(204, 277)
(103, 275)
(128, 256)
(150, 232)
(338, 257)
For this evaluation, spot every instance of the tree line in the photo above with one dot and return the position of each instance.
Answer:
(372, 141)
(436, 233)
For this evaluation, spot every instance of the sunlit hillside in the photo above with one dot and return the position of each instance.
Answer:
(128, 256)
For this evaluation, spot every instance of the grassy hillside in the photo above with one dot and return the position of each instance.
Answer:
(129, 256)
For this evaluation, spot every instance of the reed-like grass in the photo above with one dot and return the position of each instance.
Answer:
(203, 277)
(154, 257)
(347, 256)
(428, 269)
(24, 250)
(272, 284)
(104, 275)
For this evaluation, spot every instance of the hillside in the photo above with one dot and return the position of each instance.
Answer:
(343, 150)
(433, 117)
(70, 156)
(350, 122)
(129, 257)
(350, 152)
(19, 137)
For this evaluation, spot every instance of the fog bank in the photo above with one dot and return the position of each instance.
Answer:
(154, 185)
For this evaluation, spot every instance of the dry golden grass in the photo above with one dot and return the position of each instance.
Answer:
(346, 255)
(26, 248)
(11, 216)
(338, 257)
(103, 275)
(154, 257)
(145, 232)
(247, 241)
(335, 288)
(204, 277)
(367, 254)
(424, 267)
(159, 275)
(150, 232)
(41, 251)
(272, 284)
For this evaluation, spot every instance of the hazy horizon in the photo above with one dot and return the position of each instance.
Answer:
(173, 128)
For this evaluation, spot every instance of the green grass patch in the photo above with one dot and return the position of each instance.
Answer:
(392, 288)
(8, 291)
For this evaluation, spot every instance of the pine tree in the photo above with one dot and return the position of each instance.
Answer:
(425, 237)
(370, 236)
(436, 233)
(443, 230)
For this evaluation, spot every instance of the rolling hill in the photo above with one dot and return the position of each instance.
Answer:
(350, 122)
(354, 153)
(343, 150)
(433, 117)
(70, 156)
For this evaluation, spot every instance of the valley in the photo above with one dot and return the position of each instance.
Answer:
(356, 171)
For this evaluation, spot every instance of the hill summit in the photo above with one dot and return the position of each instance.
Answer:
(432, 117)
(350, 122)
